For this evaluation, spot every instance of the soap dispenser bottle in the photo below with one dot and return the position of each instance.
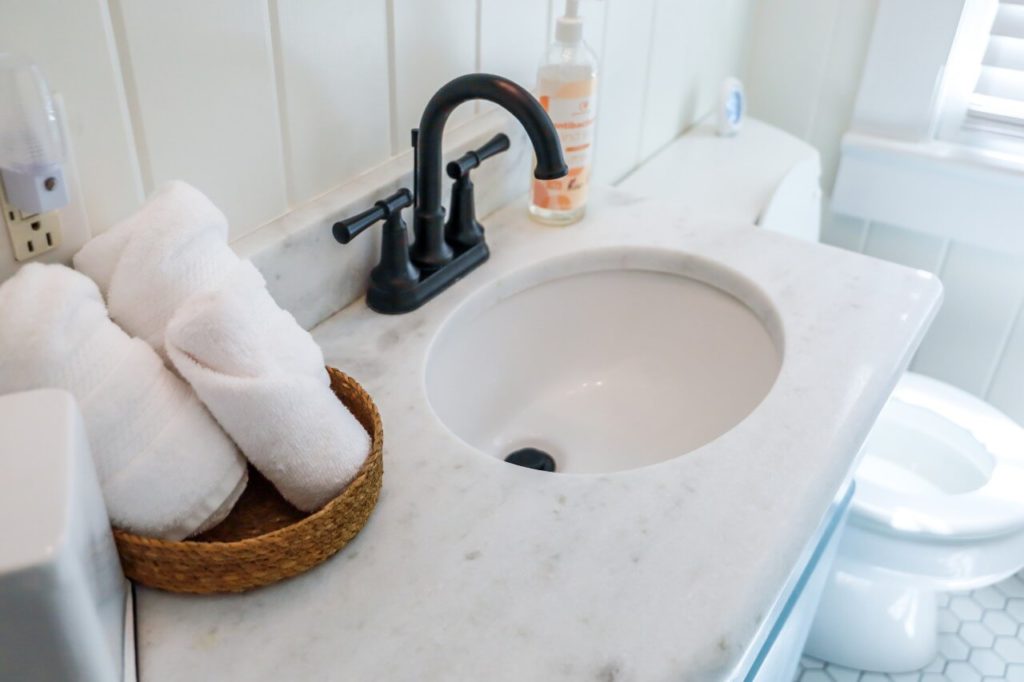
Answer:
(567, 89)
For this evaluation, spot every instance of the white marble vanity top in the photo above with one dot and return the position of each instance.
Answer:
(473, 569)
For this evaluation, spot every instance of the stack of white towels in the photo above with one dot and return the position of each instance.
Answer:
(179, 305)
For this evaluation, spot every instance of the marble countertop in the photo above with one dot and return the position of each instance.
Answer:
(472, 569)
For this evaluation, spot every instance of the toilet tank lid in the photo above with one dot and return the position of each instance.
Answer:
(728, 177)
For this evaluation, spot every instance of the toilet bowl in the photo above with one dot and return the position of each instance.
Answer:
(939, 507)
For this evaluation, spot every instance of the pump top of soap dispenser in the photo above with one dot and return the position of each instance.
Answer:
(569, 27)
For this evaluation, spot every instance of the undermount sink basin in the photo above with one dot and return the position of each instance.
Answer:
(606, 360)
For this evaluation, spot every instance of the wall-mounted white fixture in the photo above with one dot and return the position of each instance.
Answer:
(32, 149)
(32, 157)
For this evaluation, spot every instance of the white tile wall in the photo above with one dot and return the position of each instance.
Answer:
(833, 102)
(332, 90)
(513, 36)
(806, 60)
(984, 290)
(1007, 390)
(267, 104)
(844, 231)
(623, 85)
(694, 47)
(788, 59)
(203, 99)
(672, 86)
(433, 43)
(908, 247)
(73, 42)
(977, 339)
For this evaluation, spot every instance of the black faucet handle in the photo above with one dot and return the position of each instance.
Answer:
(462, 231)
(394, 279)
(470, 160)
(348, 229)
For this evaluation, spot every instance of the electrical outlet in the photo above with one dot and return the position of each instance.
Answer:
(31, 235)
(68, 227)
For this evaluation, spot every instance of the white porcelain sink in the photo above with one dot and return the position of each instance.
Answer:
(607, 360)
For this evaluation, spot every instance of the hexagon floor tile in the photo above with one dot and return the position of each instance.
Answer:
(981, 638)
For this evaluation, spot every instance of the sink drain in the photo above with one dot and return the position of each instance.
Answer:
(532, 458)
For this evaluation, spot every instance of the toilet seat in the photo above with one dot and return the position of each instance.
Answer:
(941, 464)
(939, 507)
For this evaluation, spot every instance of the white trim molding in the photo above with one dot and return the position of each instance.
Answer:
(935, 187)
(901, 88)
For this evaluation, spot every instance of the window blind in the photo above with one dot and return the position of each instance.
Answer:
(997, 102)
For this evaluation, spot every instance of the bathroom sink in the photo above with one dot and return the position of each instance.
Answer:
(606, 360)
(639, 317)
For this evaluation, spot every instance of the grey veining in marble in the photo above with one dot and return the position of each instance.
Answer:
(472, 569)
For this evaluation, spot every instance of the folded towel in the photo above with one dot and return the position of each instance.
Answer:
(259, 373)
(148, 264)
(263, 378)
(166, 468)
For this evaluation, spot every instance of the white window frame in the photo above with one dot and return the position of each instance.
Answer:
(960, 74)
(895, 167)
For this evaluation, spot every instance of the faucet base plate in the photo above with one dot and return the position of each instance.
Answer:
(398, 301)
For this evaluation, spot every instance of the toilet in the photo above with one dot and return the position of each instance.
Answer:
(939, 507)
(939, 498)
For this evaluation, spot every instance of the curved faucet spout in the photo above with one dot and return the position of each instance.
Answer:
(430, 251)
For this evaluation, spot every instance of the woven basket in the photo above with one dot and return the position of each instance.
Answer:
(264, 539)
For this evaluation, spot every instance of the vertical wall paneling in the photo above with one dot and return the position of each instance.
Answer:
(901, 77)
(911, 248)
(805, 67)
(333, 88)
(671, 93)
(725, 41)
(434, 42)
(694, 47)
(807, 62)
(1007, 387)
(266, 104)
(202, 78)
(74, 45)
(623, 85)
(846, 232)
(832, 104)
(984, 290)
(595, 25)
(789, 52)
(977, 339)
(513, 36)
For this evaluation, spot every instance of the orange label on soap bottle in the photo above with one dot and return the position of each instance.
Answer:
(572, 109)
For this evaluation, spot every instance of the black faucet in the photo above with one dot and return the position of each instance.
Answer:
(406, 278)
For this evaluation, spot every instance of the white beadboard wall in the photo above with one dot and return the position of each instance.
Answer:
(267, 104)
(806, 61)
(977, 339)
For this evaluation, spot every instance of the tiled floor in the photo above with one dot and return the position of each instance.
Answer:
(981, 639)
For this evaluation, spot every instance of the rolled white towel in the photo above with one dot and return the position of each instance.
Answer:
(174, 246)
(263, 378)
(260, 374)
(166, 468)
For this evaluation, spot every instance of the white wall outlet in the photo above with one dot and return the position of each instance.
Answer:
(31, 235)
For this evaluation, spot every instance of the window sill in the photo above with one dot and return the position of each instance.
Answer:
(942, 188)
